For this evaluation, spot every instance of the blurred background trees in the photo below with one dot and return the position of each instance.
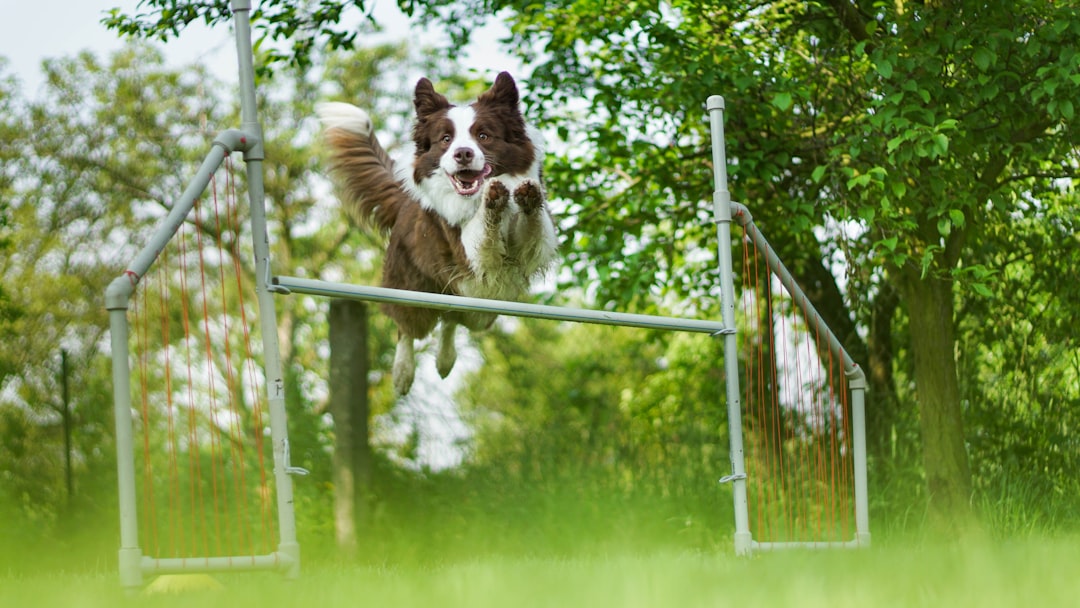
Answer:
(912, 162)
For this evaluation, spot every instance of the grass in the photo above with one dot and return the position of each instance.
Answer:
(1031, 572)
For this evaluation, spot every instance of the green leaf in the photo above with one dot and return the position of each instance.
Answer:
(899, 188)
(859, 181)
(782, 101)
(984, 58)
(941, 144)
(1066, 109)
(982, 290)
(956, 216)
(927, 261)
(819, 172)
(884, 67)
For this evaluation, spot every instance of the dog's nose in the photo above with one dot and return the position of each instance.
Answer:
(463, 156)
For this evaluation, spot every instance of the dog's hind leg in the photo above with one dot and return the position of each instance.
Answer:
(447, 356)
(404, 365)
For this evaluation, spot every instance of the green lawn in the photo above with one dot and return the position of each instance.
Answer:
(1007, 574)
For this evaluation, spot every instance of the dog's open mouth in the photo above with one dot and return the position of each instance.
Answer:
(468, 183)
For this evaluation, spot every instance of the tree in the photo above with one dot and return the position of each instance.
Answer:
(12, 131)
(308, 30)
(1022, 379)
(348, 325)
(77, 185)
(94, 166)
(895, 119)
(883, 136)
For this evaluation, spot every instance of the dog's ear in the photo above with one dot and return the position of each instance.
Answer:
(426, 100)
(503, 92)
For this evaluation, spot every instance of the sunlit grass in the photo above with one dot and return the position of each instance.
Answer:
(1031, 572)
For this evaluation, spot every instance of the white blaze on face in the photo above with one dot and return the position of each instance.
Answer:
(464, 161)
(463, 118)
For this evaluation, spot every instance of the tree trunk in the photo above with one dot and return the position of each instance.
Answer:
(881, 423)
(351, 460)
(930, 304)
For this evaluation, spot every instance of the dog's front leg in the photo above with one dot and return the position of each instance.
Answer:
(491, 250)
(404, 364)
(533, 233)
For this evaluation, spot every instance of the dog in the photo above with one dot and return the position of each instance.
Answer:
(466, 215)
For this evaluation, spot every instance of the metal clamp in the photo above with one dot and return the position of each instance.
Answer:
(289, 469)
(271, 284)
(732, 478)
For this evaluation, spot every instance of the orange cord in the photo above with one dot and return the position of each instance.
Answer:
(219, 514)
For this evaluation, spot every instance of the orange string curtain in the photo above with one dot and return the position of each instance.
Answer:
(204, 489)
(797, 423)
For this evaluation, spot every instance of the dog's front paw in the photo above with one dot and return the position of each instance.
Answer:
(497, 196)
(528, 196)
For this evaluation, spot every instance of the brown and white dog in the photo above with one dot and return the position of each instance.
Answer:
(467, 216)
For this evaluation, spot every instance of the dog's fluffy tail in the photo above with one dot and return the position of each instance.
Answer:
(363, 170)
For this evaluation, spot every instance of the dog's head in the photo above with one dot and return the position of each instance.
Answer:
(467, 144)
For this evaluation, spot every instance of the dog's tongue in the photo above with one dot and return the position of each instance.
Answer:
(468, 183)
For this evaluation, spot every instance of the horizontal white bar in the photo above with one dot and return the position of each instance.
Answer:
(502, 307)
(851, 544)
(179, 565)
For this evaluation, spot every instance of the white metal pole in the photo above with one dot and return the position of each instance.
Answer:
(857, 385)
(424, 299)
(130, 554)
(722, 214)
(275, 381)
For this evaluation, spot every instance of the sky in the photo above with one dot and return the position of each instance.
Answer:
(32, 31)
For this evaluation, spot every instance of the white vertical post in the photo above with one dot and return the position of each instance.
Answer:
(857, 385)
(275, 381)
(130, 554)
(722, 215)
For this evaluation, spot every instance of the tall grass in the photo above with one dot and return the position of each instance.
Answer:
(1034, 572)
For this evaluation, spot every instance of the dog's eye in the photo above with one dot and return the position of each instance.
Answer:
(446, 138)
(482, 136)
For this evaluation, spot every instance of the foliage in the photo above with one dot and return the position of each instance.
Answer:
(10, 131)
(882, 139)
(881, 135)
(93, 165)
(605, 415)
(306, 28)
(1024, 367)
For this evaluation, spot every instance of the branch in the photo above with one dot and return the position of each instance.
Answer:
(1020, 177)
(850, 18)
